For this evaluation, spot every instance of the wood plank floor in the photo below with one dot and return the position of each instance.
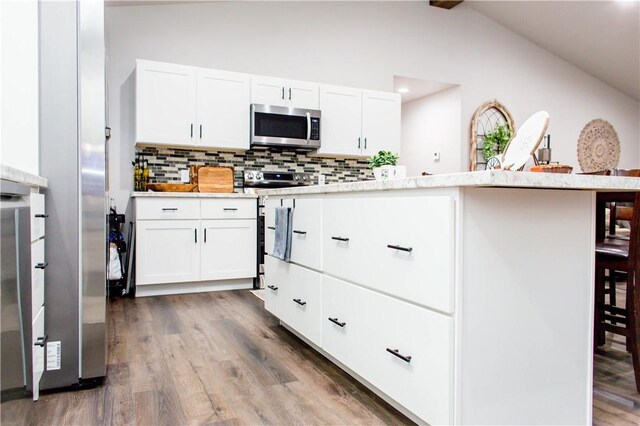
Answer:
(220, 358)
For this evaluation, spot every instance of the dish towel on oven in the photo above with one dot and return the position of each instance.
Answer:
(284, 225)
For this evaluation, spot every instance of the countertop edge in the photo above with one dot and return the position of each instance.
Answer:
(16, 175)
(490, 178)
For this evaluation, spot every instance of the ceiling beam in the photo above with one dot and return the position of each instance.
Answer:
(445, 4)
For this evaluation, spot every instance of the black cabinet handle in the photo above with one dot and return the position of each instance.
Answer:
(289, 93)
(396, 352)
(169, 209)
(358, 143)
(230, 209)
(43, 216)
(282, 92)
(300, 232)
(407, 249)
(272, 227)
(340, 239)
(201, 131)
(365, 143)
(42, 265)
(191, 129)
(336, 322)
(41, 341)
(205, 235)
(273, 287)
(195, 233)
(300, 302)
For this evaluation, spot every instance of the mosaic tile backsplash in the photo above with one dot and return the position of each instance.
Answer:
(165, 163)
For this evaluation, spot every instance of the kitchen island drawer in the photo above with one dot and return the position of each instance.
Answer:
(38, 216)
(38, 266)
(229, 208)
(413, 258)
(306, 238)
(163, 208)
(302, 304)
(276, 285)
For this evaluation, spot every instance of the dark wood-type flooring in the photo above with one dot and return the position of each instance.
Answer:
(220, 358)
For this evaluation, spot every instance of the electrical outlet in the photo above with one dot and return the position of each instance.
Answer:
(436, 156)
(184, 176)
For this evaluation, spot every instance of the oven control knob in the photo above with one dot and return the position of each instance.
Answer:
(259, 175)
(250, 175)
(304, 177)
(297, 178)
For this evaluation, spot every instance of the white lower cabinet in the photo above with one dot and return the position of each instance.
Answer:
(167, 251)
(37, 355)
(227, 248)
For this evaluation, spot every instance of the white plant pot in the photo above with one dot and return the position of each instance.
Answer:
(384, 172)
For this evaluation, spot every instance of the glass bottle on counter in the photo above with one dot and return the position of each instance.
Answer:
(145, 174)
(136, 174)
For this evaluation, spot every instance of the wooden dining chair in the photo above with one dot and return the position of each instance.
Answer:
(616, 212)
(613, 255)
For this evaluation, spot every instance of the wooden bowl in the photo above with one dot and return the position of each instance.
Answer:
(171, 187)
(552, 168)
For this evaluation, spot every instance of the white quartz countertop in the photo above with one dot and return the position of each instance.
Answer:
(15, 175)
(488, 178)
(152, 194)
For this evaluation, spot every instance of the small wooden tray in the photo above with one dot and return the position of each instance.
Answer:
(215, 179)
(552, 168)
(171, 187)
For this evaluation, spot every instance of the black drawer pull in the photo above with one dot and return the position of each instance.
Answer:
(41, 341)
(273, 287)
(42, 265)
(300, 302)
(300, 232)
(336, 322)
(340, 239)
(230, 209)
(407, 249)
(169, 209)
(43, 216)
(396, 352)
(195, 234)
(272, 227)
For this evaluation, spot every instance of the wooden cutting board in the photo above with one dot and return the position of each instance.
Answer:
(215, 179)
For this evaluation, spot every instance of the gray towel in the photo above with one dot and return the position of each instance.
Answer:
(284, 228)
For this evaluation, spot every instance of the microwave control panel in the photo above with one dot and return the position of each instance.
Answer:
(315, 129)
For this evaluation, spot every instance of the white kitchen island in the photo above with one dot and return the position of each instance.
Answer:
(463, 298)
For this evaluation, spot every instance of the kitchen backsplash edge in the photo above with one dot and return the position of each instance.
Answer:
(165, 163)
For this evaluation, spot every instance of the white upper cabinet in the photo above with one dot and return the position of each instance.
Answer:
(165, 103)
(341, 125)
(223, 109)
(358, 122)
(279, 92)
(380, 122)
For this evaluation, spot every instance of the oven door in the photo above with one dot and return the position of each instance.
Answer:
(285, 127)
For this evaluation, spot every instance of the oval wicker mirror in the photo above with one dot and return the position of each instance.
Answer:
(487, 117)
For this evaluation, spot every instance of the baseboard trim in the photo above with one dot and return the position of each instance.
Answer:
(193, 287)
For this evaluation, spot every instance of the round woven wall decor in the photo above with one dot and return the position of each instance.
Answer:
(598, 146)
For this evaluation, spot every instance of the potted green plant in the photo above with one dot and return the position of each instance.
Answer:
(496, 141)
(384, 165)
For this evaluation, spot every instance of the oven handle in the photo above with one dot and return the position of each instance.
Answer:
(308, 126)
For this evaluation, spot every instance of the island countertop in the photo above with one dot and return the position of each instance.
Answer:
(24, 178)
(487, 178)
(151, 194)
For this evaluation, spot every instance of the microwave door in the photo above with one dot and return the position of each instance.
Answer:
(280, 129)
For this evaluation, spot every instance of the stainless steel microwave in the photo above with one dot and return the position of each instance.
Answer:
(284, 127)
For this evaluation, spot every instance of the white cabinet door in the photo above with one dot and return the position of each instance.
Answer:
(277, 285)
(36, 203)
(341, 127)
(380, 122)
(37, 277)
(302, 94)
(165, 103)
(268, 91)
(302, 308)
(306, 239)
(168, 251)
(223, 109)
(37, 351)
(228, 249)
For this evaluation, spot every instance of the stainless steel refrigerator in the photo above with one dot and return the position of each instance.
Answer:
(73, 159)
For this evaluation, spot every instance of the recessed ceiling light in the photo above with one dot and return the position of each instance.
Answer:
(403, 90)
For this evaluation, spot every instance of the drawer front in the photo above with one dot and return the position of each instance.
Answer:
(364, 241)
(36, 203)
(276, 285)
(38, 353)
(167, 208)
(306, 239)
(228, 249)
(303, 302)
(424, 383)
(345, 327)
(270, 220)
(37, 277)
(229, 208)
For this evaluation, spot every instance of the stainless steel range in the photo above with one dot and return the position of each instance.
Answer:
(257, 179)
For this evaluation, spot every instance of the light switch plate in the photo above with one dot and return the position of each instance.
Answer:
(184, 176)
(436, 156)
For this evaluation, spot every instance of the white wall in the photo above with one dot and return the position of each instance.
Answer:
(19, 85)
(361, 44)
(432, 124)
